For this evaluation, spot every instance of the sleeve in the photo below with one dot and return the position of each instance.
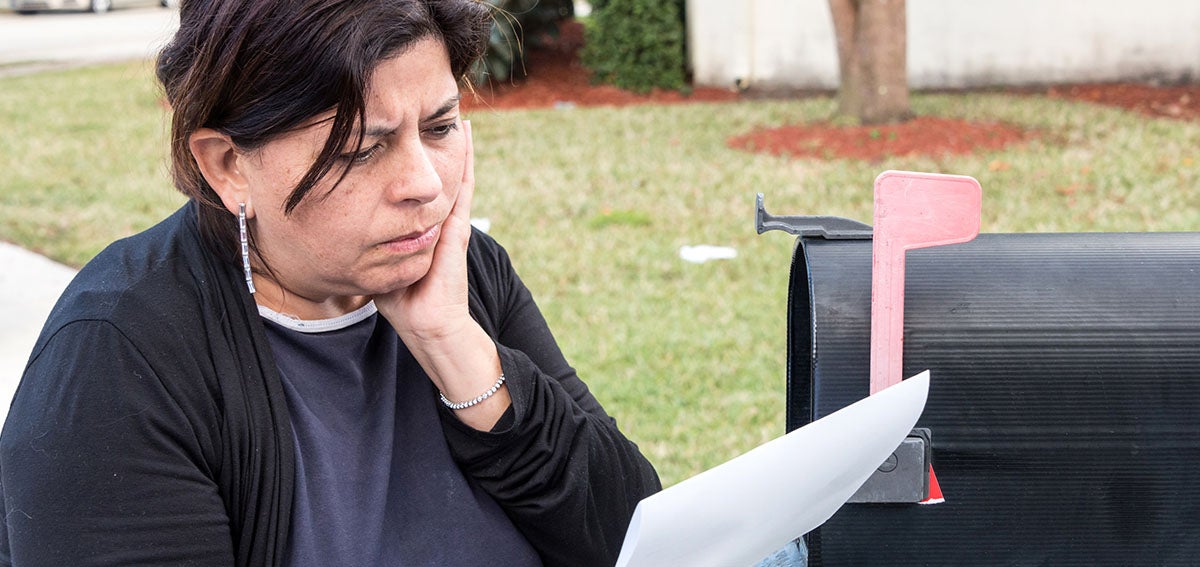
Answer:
(100, 466)
(561, 470)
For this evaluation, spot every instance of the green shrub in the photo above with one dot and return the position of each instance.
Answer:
(516, 23)
(636, 44)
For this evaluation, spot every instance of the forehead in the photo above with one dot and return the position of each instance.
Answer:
(416, 82)
(412, 79)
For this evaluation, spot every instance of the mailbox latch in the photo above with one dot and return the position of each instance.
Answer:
(904, 477)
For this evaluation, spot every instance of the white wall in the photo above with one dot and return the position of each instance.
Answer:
(952, 43)
(766, 42)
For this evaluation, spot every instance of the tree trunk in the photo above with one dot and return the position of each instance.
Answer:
(871, 41)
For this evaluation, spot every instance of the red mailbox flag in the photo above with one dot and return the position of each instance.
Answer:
(912, 210)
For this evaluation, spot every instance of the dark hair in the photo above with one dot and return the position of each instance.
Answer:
(256, 69)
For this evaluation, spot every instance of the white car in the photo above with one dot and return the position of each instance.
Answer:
(96, 6)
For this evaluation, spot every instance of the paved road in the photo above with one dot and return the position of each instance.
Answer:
(76, 38)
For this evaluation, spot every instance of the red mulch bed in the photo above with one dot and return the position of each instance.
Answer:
(923, 135)
(557, 79)
(1181, 101)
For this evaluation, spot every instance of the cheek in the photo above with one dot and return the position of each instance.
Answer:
(317, 228)
(272, 183)
(282, 163)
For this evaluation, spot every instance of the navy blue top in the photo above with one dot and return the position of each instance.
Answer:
(151, 426)
(375, 481)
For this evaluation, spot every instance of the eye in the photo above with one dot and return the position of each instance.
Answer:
(441, 131)
(363, 156)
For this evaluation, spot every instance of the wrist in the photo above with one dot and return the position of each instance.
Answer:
(473, 401)
(465, 369)
(457, 361)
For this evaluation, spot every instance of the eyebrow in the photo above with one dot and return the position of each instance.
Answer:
(379, 131)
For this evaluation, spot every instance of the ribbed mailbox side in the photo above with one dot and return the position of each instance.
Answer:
(1064, 400)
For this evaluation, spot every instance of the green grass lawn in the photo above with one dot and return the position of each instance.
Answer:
(593, 205)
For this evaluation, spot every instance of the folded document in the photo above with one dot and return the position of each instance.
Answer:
(743, 510)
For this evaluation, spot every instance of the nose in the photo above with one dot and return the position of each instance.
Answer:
(413, 177)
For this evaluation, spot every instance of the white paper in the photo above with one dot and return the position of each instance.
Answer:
(702, 253)
(747, 508)
(484, 224)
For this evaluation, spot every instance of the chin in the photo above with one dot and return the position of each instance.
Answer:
(398, 277)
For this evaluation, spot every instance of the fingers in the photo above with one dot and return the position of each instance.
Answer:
(466, 193)
(469, 172)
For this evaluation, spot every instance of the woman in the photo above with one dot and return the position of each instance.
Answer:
(315, 361)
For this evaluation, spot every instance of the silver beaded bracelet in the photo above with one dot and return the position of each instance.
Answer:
(464, 405)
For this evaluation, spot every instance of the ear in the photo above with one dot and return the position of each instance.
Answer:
(218, 159)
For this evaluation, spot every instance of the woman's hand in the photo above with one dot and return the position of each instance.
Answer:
(435, 307)
(433, 319)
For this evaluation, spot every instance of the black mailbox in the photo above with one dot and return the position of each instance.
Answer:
(1064, 405)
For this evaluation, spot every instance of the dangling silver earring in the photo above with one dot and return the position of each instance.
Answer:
(245, 245)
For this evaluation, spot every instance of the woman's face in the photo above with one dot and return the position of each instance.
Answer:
(376, 231)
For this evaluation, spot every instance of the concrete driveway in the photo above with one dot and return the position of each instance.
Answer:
(29, 286)
(29, 283)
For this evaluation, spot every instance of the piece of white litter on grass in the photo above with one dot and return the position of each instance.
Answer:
(702, 253)
(484, 224)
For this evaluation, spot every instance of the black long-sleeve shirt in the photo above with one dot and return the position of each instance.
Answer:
(150, 425)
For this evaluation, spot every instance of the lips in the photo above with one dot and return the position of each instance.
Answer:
(414, 241)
